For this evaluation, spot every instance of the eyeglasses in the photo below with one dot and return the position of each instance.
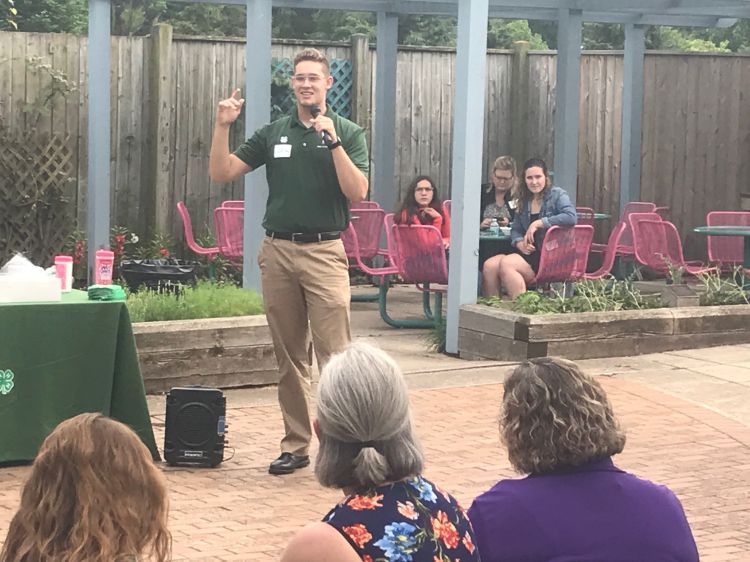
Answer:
(424, 189)
(503, 178)
(302, 78)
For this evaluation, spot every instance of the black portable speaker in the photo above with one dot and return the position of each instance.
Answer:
(195, 426)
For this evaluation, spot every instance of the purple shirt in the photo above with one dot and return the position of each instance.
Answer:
(591, 513)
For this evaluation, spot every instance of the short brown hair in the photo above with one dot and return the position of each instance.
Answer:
(555, 416)
(313, 55)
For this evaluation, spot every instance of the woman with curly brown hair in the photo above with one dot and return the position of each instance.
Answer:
(94, 494)
(575, 505)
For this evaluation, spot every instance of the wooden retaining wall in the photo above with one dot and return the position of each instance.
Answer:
(215, 352)
(491, 333)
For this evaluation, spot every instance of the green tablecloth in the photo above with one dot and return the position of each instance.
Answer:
(61, 359)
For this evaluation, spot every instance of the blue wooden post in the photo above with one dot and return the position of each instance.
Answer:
(257, 96)
(98, 189)
(567, 97)
(384, 128)
(468, 140)
(632, 110)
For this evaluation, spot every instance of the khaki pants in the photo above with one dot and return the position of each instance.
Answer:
(303, 283)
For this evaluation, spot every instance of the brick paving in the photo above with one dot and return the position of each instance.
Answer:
(239, 512)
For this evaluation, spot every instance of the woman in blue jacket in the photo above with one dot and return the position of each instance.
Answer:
(540, 206)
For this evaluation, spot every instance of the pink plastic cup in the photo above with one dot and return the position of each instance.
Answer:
(64, 271)
(104, 264)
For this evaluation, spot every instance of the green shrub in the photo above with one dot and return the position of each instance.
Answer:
(205, 300)
(590, 296)
(718, 290)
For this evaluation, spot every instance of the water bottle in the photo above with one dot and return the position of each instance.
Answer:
(494, 228)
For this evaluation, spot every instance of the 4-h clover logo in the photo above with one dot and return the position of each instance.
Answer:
(6, 381)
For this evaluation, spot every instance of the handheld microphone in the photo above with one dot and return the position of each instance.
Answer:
(325, 135)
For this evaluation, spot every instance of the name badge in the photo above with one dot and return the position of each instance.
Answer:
(282, 150)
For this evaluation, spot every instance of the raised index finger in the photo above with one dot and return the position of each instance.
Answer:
(235, 94)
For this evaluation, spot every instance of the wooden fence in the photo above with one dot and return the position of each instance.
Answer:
(696, 122)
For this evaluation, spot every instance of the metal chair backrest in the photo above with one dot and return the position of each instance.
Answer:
(368, 224)
(390, 239)
(726, 249)
(626, 240)
(187, 226)
(585, 215)
(365, 205)
(610, 252)
(447, 208)
(421, 254)
(562, 250)
(229, 223)
(233, 204)
(650, 244)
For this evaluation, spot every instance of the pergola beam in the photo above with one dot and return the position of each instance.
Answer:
(545, 10)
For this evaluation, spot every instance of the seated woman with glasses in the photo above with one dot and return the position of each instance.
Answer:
(368, 450)
(499, 196)
(499, 200)
(422, 205)
(540, 206)
(559, 428)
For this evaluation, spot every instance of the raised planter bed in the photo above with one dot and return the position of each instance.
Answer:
(216, 352)
(491, 333)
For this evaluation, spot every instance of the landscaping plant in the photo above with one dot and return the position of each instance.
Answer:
(722, 290)
(598, 295)
(205, 300)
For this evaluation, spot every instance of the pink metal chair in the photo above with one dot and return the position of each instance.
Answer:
(447, 207)
(663, 212)
(368, 224)
(421, 255)
(657, 245)
(585, 215)
(610, 251)
(625, 247)
(422, 261)
(229, 223)
(365, 205)
(391, 249)
(726, 250)
(385, 274)
(187, 226)
(564, 254)
(233, 204)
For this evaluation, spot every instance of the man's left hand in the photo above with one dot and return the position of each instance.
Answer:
(323, 123)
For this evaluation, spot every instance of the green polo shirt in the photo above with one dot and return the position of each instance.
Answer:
(304, 194)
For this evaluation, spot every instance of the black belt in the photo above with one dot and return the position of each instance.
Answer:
(304, 237)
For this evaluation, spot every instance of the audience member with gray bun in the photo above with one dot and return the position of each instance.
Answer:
(575, 504)
(369, 451)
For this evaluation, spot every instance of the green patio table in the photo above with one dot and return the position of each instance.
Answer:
(726, 230)
(60, 359)
(720, 230)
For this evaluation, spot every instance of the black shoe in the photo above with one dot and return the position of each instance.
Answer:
(288, 463)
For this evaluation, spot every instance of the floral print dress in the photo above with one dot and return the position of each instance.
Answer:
(411, 520)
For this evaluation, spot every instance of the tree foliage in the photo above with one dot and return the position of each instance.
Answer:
(8, 19)
(56, 16)
(136, 17)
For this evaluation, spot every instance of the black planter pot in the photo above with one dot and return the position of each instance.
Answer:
(158, 275)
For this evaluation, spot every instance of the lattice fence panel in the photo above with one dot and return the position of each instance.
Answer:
(339, 96)
(35, 218)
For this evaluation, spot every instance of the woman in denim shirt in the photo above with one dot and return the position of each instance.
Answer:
(541, 206)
